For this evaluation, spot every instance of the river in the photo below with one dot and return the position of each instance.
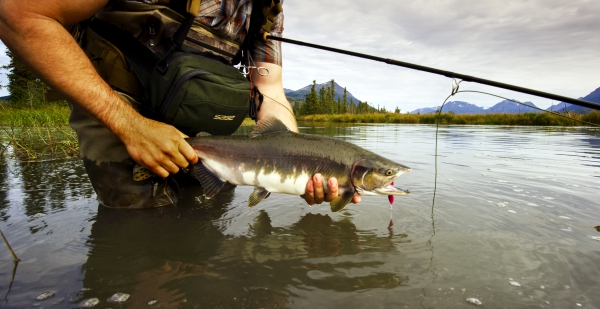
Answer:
(513, 225)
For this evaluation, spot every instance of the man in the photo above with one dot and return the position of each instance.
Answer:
(113, 135)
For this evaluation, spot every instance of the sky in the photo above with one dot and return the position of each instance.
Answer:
(547, 45)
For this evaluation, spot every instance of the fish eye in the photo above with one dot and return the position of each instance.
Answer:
(389, 173)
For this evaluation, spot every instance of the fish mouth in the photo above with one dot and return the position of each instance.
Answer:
(391, 190)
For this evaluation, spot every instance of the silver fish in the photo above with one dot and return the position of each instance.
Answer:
(274, 159)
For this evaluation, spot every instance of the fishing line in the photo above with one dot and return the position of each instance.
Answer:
(455, 90)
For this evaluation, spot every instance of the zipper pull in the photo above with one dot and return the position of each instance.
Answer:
(151, 33)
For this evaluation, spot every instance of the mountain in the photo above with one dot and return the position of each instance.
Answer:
(425, 110)
(459, 107)
(5, 98)
(510, 107)
(339, 92)
(594, 96)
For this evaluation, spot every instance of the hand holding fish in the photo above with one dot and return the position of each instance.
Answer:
(315, 192)
(159, 147)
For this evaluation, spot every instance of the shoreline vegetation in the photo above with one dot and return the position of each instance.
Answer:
(37, 133)
(525, 119)
(43, 132)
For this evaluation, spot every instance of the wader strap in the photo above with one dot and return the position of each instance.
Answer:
(262, 18)
(270, 12)
(193, 7)
(126, 43)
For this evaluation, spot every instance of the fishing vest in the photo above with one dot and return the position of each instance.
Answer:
(180, 69)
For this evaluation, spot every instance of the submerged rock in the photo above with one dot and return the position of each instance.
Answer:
(89, 303)
(474, 301)
(44, 295)
(118, 298)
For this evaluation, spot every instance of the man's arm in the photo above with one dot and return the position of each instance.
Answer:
(276, 104)
(35, 32)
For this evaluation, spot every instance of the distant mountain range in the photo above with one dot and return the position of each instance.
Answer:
(562, 106)
(509, 107)
(300, 93)
(459, 107)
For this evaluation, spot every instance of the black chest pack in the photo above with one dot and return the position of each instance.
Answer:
(185, 75)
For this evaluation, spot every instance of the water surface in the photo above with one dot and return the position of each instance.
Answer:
(512, 225)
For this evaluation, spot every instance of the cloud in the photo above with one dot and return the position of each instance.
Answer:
(547, 45)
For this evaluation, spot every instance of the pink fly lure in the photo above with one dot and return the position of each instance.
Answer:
(391, 197)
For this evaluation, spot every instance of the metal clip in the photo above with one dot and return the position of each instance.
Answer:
(151, 32)
(262, 71)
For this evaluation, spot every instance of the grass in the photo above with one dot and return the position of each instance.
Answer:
(37, 134)
(526, 119)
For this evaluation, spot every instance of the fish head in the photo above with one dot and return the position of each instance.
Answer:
(375, 177)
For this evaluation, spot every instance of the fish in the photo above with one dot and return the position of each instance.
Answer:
(275, 159)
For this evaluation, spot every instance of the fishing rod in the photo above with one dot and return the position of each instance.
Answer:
(449, 74)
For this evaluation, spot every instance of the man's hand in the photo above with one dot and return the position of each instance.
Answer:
(160, 147)
(315, 193)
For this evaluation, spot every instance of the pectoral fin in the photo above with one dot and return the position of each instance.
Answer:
(211, 183)
(257, 196)
(341, 201)
(141, 173)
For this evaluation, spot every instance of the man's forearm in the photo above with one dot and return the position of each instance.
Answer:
(52, 54)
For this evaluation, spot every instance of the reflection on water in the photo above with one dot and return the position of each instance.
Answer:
(172, 254)
(514, 226)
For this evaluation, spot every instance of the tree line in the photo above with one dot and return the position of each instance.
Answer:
(325, 102)
(26, 90)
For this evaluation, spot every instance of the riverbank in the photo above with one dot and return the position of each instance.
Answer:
(526, 119)
(58, 115)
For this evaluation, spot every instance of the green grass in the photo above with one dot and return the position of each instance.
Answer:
(526, 119)
(48, 115)
(37, 134)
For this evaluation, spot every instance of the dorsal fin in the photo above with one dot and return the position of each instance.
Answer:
(269, 124)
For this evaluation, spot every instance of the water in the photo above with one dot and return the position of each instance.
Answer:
(513, 226)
